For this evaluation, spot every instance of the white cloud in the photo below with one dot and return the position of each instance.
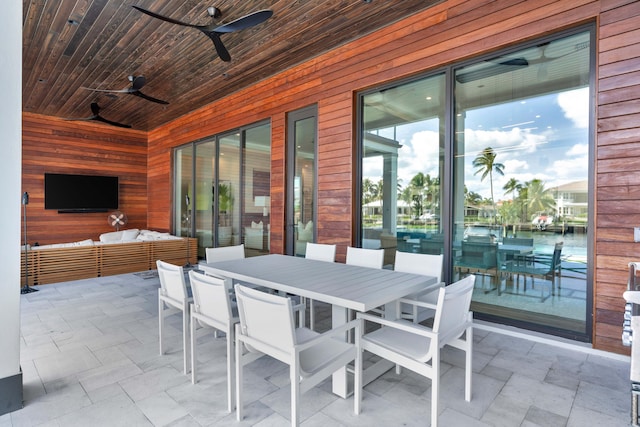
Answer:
(578, 150)
(573, 104)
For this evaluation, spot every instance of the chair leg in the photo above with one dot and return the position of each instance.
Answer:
(312, 316)
(468, 363)
(239, 363)
(230, 366)
(357, 380)
(435, 387)
(185, 338)
(294, 377)
(160, 322)
(193, 340)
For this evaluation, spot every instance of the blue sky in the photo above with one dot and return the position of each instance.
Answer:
(544, 137)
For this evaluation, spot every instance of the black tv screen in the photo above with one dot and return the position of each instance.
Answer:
(80, 193)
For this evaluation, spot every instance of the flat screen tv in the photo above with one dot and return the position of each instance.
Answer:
(80, 193)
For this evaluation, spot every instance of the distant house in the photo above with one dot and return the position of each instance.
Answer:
(571, 200)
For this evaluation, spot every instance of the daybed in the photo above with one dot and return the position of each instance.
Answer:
(118, 252)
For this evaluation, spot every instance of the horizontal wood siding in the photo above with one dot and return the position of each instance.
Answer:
(451, 31)
(59, 146)
(618, 165)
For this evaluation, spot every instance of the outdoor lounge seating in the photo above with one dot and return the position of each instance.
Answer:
(417, 347)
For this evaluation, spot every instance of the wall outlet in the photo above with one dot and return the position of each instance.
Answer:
(636, 234)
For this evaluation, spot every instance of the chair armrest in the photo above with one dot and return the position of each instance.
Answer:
(428, 291)
(403, 325)
(329, 334)
(417, 303)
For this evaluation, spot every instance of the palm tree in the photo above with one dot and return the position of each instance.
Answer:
(486, 164)
(539, 199)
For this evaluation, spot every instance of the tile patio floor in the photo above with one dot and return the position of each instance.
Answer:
(90, 358)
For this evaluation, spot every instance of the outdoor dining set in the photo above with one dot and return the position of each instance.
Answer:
(260, 304)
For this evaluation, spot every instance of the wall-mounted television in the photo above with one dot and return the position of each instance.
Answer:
(80, 193)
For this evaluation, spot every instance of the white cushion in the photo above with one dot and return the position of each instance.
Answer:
(130, 234)
(86, 242)
(113, 236)
(257, 225)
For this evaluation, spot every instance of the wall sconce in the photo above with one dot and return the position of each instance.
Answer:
(265, 203)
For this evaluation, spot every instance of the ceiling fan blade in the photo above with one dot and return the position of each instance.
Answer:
(109, 122)
(80, 119)
(138, 82)
(149, 98)
(164, 18)
(107, 90)
(246, 21)
(222, 51)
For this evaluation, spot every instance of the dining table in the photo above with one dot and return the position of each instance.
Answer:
(344, 287)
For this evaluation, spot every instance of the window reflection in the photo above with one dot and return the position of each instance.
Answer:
(518, 186)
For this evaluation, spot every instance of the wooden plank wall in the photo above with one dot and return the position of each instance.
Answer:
(53, 145)
(448, 32)
(618, 165)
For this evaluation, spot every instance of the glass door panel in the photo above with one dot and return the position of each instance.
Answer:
(229, 190)
(203, 203)
(521, 173)
(183, 191)
(301, 213)
(257, 190)
(402, 168)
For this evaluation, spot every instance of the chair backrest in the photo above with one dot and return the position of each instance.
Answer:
(452, 312)
(211, 297)
(172, 281)
(224, 253)
(373, 258)
(321, 252)
(557, 252)
(483, 255)
(267, 319)
(425, 264)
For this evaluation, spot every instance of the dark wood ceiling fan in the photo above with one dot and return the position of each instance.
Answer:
(137, 82)
(213, 31)
(95, 109)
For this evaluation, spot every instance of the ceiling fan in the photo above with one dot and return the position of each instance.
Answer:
(95, 109)
(137, 82)
(213, 31)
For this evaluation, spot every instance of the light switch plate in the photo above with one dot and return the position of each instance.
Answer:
(636, 234)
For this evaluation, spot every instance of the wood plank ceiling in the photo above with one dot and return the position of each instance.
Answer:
(70, 45)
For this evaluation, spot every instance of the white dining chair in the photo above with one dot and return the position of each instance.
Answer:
(320, 252)
(372, 258)
(212, 307)
(224, 253)
(417, 347)
(362, 257)
(267, 327)
(427, 265)
(173, 296)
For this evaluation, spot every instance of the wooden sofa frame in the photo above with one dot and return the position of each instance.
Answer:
(53, 265)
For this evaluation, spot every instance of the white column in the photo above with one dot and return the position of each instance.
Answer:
(10, 195)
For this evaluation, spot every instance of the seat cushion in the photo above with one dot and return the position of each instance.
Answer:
(402, 342)
(317, 357)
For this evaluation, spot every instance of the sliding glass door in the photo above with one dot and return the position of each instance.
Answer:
(489, 164)
(222, 187)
